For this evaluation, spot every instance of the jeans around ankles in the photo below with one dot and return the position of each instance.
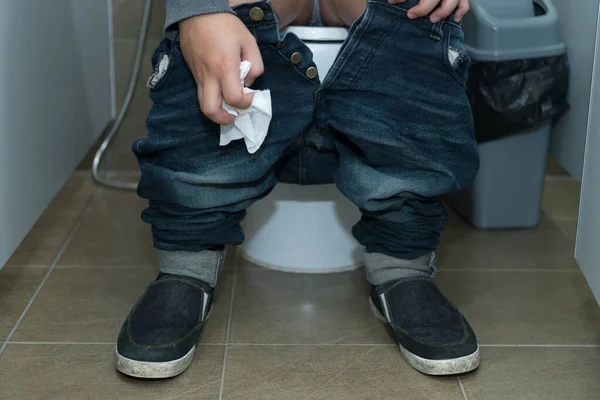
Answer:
(390, 124)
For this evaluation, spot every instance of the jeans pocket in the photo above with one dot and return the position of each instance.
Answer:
(455, 55)
(163, 62)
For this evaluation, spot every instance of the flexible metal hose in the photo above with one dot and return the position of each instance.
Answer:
(114, 129)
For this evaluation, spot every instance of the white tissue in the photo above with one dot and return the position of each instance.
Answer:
(251, 124)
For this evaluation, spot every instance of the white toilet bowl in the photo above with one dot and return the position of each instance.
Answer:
(305, 229)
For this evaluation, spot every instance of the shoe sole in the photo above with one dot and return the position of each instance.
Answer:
(453, 366)
(153, 370)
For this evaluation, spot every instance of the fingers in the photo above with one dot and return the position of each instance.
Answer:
(250, 52)
(462, 10)
(232, 89)
(225, 86)
(447, 7)
(210, 99)
(424, 8)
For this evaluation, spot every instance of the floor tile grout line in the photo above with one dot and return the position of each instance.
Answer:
(541, 346)
(88, 343)
(567, 234)
(395, 345)
(441, 270)
(462, 388)
(61, 343)
(229, 321)
(52, 267)
(312, 345)
(382, 345)
(563, 218)
(559, 178)
(511, 270)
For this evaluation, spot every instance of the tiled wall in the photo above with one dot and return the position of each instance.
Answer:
(127, 17)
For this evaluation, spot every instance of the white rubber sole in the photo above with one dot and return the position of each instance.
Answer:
(153, 370)
(454, 366)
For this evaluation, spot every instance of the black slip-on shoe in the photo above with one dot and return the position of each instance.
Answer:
(158, 338)
(433, 336)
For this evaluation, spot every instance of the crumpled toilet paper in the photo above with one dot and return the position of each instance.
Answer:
(250, 124)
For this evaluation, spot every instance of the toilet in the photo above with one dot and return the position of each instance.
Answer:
(305, 229)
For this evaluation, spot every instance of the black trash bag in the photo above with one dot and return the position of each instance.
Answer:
(513, 96)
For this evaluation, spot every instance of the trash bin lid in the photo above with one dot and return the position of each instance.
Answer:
(507, 9)
(512, 30)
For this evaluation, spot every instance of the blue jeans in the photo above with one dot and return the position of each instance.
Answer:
(390, 124)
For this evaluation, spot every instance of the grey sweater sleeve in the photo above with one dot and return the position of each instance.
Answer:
(178, 10)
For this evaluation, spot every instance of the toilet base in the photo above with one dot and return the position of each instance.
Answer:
(302, 270)
(302, 229)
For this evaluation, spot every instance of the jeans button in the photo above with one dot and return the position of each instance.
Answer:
(312, 73)
(296, 58)
(257, 14)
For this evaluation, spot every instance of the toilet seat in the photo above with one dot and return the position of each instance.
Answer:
(319, 33)
(305, 229)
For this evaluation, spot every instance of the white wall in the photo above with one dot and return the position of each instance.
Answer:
(55, 98)
(588, 230)
(578, 29)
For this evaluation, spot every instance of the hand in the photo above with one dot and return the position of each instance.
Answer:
(425, 7)
(213, 46)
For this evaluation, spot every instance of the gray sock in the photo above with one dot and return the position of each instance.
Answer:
(381, 268)
(203, 265)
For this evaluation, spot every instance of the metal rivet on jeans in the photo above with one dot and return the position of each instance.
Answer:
(312, 73)
(257, 14)
(296, 58)
(281, 44)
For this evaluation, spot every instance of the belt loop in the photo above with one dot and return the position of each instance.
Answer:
(437, 31)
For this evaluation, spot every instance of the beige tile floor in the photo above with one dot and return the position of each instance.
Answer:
(65, 292)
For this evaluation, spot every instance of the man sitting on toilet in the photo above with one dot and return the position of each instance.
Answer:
(394, 110)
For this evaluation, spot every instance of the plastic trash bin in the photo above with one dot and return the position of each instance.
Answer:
(507, 191)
